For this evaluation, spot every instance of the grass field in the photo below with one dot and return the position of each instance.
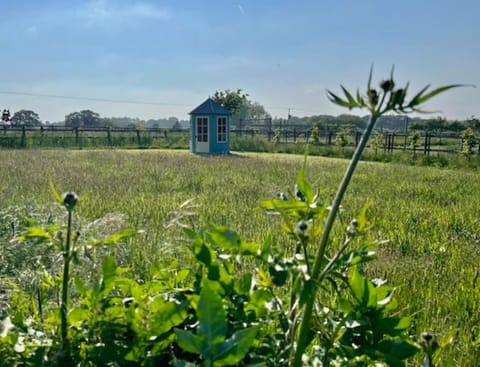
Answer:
(428, 215)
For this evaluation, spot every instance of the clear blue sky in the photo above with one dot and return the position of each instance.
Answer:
(285, 54)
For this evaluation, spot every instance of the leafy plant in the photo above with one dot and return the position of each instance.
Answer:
(387, 99)
(469, 141)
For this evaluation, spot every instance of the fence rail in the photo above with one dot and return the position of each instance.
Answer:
(68, 137)
(64, 136)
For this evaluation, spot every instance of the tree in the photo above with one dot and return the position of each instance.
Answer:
(231, 100)
(240, 106)
(25, 117)
(252, 110)
(85, 118)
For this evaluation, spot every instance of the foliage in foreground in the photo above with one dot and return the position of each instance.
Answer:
(209, 314)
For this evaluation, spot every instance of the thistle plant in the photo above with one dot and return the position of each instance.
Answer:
(69, 200)
(386, 99)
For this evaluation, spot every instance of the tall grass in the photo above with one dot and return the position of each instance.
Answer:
(429, 216)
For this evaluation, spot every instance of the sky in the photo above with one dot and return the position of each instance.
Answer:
(156, 59)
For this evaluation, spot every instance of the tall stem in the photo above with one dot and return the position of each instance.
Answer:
(65, 281)
(302, 340)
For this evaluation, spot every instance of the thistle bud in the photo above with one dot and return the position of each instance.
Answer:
(372, 97)
(302, 226)
(428, 342)
(302, 229)
(70, 199)
(298, 194)
(387, 85)
(352, 228)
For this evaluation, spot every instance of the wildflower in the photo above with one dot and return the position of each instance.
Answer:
(70, 199)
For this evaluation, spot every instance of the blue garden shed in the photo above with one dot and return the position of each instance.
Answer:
(210, 128)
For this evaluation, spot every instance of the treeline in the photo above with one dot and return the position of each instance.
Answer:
(392, 123)
(253, 114)
(90, 119)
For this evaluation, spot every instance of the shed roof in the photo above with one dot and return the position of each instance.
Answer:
(210, 107)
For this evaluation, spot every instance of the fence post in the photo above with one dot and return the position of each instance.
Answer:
(138, 138)
(425, 144)
(357, 137)
(76, 136)
(41, 135)
(24, 137)
(269, 129)
(109, 136)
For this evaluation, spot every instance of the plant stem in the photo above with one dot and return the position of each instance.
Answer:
(302, 340)
(65, 281)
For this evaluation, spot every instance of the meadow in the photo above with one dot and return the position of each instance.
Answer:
(427, 216)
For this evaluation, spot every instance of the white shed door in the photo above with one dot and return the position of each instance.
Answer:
(202, 135)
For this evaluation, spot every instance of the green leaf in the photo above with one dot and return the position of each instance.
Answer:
(350, 99)
(224, 238)
(398, 349)
(337, 100)
(202, 252)
(344, 305)
(109, 270)
(362, 216)
(182, 275)
(80, 286)
(358, 286)
(258, 300)
(217, 272)
(36, 233)
(243, 283)
(211, 316)
(234, 349)
(392, 326)
(78, 316)
(279, 274)
(280, 205)
(433, 93)
(369, 83)
(167, 315)
(249, 248)
(190, 342)
(360, 100)
(415, 100)
(303, 185)
(58, 198)
(114, 239)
